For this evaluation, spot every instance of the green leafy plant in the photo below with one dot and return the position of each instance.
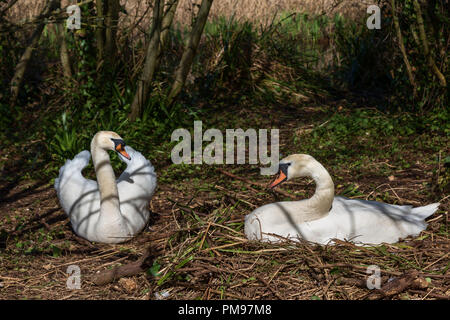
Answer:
(66, 141)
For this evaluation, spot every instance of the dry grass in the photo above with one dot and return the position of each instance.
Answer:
(199, 244)
(261, 11)
(135, 24)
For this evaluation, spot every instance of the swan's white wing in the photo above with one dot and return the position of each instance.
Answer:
(373, 222)
(280, 218)
(80, 197)
(360, 221)
(139, 173)
(72, 188)
(136, 186)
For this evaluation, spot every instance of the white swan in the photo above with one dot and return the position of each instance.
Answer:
(324, 217)
(107, 211)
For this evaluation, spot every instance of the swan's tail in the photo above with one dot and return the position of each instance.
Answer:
(77, 164)
(421, 213)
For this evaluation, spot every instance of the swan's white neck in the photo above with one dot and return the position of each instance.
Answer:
(320, 203)
(109, 195)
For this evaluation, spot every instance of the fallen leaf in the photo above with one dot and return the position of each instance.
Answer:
(129, 285)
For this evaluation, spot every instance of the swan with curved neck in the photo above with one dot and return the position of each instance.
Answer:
(107, 211)
(325, 217)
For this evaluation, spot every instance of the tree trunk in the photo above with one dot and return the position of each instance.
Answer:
(64, 55)
(21, 67)
(100, 33)
(189, 53)
(167, 21)
(426, 48)
(165, 29)
(150, 65)
(402, 47)
(63, 50)
(111, 21)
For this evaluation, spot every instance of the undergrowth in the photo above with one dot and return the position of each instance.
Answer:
(295, 60)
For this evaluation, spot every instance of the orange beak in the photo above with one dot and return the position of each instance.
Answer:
(120, 149)
(281, 177)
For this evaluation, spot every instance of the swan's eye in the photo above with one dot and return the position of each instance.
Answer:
(119, 144)
(283, 167)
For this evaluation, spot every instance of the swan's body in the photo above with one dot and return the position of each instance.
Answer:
(109, 211)
(325, 217)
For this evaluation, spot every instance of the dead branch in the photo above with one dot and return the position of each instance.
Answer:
(129, 269)
(411, 280)
(271, 289)
(432, 294)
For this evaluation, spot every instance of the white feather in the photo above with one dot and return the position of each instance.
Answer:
(360, 221)
(80, 197)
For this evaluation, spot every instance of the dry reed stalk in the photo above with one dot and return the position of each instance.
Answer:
(261, 11)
